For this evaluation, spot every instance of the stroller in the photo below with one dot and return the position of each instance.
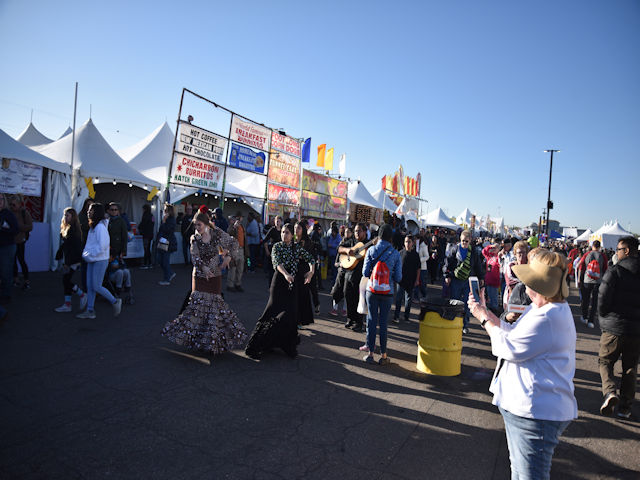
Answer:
(119, 274)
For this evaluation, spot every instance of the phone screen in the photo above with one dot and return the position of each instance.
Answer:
(474, 284)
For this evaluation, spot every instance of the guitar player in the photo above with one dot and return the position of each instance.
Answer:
(352, 279)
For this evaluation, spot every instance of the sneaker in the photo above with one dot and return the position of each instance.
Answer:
(384, 361)
(369, 359)
(591, 325)
(349, 324)
(117, 307)
(317, 309)
(164, 283)
(65, 307)
(83, 301)
(173, 275)
(465, 330)
(87, 314)
(624, 412)
(395, 320)
(583, 320)
(358, 329)
(343, 312)
(364, 348)
(610, 401)
(333, 312)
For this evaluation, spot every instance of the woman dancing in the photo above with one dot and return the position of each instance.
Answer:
(305, 290)
(277, 327)
(207, 323)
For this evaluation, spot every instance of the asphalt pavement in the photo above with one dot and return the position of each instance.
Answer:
(111, 398)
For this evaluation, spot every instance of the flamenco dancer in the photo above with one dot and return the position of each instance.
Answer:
(277, 327)
(207, 323)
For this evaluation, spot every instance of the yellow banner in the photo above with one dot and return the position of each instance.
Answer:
(328, 161)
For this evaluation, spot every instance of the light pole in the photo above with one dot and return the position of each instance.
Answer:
(549, 202)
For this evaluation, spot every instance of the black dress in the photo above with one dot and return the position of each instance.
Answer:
(305, 308)
(277, 326)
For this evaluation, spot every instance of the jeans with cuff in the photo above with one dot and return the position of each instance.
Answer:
(460, 291)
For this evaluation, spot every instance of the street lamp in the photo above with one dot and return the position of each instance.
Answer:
(549, 202)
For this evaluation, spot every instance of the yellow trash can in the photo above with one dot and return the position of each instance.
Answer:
(440, 341)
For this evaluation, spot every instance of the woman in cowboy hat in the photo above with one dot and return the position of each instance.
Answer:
(533, 382)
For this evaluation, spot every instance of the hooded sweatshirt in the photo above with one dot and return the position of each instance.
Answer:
(97, 246)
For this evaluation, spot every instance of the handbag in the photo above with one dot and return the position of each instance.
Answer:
(163, 244)
(362, 299)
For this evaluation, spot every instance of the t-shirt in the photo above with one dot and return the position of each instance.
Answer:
(410, 265)
(272, 237)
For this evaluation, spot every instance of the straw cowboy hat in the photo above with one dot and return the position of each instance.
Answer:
(546, 280)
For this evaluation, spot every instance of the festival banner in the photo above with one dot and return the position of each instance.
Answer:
(286, 144)
(313, 204)
(20, 177)
(316, 182)
(336, 208)
(283, 195)
(200, 143)
(195, 172)
(246, 158)
(248, 133)
(284, 169)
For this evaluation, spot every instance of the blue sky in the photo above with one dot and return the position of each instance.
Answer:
(468, 93)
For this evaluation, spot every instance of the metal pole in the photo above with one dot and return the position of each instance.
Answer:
(167, 194)
(74, 176)
(226, 154)
(546, 227)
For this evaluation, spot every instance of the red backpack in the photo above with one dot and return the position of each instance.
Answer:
(379, 279)
(593, 270)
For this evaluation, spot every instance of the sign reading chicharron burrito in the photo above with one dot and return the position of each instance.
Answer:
(200, 143)
(196, 172)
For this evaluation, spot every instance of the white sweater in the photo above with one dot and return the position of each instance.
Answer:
(423, 251)
(97, 247)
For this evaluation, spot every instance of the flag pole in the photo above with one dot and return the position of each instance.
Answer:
(74, 176)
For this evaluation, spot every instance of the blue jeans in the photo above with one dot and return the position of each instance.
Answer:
(165, 263)
(460, 291)
(402, 296)
(421, 289)
(492, 293)
(531, 444)
(95, 276)
(7, 257)
(379, 307)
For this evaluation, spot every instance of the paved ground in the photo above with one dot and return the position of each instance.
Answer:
(102, 399)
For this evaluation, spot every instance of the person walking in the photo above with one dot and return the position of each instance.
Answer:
(70, 252)
(146, 228)
(167, 244)
(237, 265)
(423, 253)
(253, 241)
(207, 323)
(307, 294)
(8, 230)
(619, 316)
(25, 225)
(533, 382)
(84, 227)
(96, 254)
(186, 230)
(410, 261)
(591, 268)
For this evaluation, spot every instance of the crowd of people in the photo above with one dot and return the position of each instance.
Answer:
(368, 271)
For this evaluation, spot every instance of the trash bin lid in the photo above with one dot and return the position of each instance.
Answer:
(445, 307)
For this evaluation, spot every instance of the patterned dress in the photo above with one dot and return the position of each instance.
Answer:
(207, 323)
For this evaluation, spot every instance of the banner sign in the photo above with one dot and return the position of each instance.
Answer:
(250, 134)
(336, 208)
(20, 177)
(246, 158)
(285, 195)
(194, 172)
(286, 144)
(284, 169)
(200, 143)
(315, 182)
(313, 204)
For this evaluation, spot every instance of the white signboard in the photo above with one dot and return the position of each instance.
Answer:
(200, 143)
(250, 134)
(197, 173)
(20, 177)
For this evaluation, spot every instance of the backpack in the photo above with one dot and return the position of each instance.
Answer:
(593, 270)
(380, 275)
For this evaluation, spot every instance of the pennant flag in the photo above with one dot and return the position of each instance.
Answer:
(394, 183)
(306, 151)
(328, 161)
(321, 150)
(418, 181)
(384, 182)
(342, 167)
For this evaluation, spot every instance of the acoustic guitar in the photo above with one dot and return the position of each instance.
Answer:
(349, 262)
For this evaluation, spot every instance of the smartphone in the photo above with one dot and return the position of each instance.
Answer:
(474, 285)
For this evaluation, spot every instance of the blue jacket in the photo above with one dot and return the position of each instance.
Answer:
(391, 257)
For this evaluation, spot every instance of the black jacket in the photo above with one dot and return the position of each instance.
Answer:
(619, 298)
(477, 267)
(70, 247)
(145, 227)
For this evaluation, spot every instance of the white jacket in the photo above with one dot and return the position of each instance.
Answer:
(97, 247)
(423, 251)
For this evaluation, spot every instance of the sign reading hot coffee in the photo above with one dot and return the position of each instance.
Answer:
(201, 143)
(251, 134)
(195, 172)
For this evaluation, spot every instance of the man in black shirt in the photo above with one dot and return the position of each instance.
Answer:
(186, 230)
(410, 268)
(352, 278)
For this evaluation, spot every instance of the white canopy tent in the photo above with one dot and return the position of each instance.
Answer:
(57, 192)
(584, 237)
(65, 133)
(358, 193)
(612, 235)
(31, 136)
(464, 217)
(152, 154)
(383, 199)
(437, 218)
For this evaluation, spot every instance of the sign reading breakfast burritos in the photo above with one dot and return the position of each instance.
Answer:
(246, 158)
(250, 134)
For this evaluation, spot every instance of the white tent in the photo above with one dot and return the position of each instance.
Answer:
(437, 218)
(383, 199)
(464, 217)
(57, 194)
(65, 133)
(407, 206)
(584, 237)
(358, 193)
(152, 154)
(31, 137)
(611, 236)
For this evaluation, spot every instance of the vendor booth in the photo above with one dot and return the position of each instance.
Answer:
(40, 178)
(362, 206)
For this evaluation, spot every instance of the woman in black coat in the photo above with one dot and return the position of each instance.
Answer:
(70, 252)
(145, 227)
